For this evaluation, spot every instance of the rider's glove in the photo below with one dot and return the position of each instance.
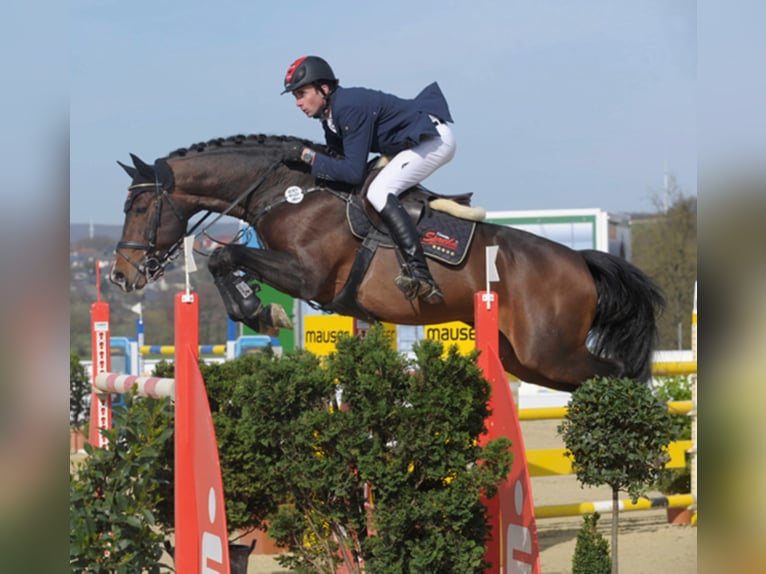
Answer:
(292, 153)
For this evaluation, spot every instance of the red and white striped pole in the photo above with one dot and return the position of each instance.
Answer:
(101, 402)
(146, 386)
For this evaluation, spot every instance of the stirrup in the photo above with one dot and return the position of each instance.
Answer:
(413, 287)
(408, 285)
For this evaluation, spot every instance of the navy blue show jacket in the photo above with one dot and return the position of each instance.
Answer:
(374, 121)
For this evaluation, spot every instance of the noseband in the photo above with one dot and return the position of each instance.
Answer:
(153, 264)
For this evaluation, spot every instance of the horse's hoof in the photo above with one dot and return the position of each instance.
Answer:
(278, 317)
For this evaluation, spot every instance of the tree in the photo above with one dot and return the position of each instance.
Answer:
(79, 391)
(665, 247)
(616, 432)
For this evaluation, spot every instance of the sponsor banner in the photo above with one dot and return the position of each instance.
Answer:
(452, 333)
(320, 332)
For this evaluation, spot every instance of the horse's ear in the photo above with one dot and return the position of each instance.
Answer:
(131, 171)
(164, 174)
(143, 168)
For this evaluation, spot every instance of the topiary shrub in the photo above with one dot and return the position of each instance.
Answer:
(388, 479)
(591, 549)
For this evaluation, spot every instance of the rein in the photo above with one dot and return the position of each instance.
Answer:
(245, 194)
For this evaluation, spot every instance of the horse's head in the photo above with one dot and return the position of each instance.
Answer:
(153, 229)
(240, 176)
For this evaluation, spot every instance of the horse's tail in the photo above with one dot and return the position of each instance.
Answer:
(629, 302)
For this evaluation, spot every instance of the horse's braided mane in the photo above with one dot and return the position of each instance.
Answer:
(261, 140)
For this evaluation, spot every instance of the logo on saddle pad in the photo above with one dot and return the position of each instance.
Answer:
(440, 242)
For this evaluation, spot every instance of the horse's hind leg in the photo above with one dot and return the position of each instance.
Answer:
(512, 365)
(572, 369)
(547, 329)
(565, 373)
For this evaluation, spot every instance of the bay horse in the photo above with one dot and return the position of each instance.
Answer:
(565, 316)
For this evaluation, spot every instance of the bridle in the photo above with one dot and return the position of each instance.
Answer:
(152, 265)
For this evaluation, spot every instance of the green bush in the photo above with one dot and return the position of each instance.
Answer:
(591, 549)
(389, 475)
(114, 493)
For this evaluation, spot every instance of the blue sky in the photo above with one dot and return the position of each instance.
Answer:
(557, 104)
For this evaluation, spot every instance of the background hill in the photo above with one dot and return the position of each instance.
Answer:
(91, 243)
(81, 231)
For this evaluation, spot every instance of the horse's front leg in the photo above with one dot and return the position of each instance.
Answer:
(238, 290)
(276, 268)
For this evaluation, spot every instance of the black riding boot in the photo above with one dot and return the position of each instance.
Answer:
(415, 280)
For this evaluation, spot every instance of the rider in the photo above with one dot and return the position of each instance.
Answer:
(358, 121)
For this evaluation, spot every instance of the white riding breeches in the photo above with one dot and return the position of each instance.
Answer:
(411, 166)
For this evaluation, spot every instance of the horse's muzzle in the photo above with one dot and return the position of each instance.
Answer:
(126, 283)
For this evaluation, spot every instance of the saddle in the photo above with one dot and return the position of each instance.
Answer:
(445, 238)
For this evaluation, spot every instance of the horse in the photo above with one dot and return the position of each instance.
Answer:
(565, 316)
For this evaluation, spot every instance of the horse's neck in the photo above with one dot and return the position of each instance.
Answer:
(215, 184)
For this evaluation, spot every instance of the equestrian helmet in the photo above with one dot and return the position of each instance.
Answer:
(307, 70)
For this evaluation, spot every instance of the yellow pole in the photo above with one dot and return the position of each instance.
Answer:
(693, 412)
(558, 510)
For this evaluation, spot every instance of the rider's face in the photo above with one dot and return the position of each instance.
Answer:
(309, 100)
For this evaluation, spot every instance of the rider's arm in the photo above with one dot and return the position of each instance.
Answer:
(356, 125)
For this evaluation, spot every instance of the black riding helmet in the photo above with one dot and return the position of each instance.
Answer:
(308, 70)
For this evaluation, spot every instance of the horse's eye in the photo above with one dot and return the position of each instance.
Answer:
(140, 210)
